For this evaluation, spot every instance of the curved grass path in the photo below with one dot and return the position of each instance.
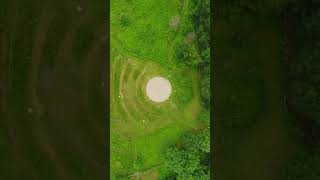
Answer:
(128, 96)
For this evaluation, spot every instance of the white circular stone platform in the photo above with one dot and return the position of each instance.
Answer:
(158, 89)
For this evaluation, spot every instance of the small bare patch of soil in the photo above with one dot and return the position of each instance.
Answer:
(190, 37)
(174, 22)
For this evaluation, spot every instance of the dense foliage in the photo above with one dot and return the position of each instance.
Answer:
(305, 166)
(190, 158)
(304, 90)
(304, 75)
(201, 21)
(197, 54)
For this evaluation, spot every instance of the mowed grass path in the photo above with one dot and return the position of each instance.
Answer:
(141, 48)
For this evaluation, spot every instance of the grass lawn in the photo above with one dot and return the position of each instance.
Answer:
(142, 47)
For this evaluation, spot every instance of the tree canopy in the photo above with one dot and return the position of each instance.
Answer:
(190, 158)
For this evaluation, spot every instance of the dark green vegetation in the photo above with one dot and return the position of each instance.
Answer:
(304, 166)
(190, 158)
(265, 93)
(303, 87)
(197, 54)
(304, 69)
(52, 105)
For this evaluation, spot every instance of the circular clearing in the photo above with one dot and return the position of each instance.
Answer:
(158, 89)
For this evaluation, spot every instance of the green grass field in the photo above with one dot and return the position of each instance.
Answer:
(142, 43)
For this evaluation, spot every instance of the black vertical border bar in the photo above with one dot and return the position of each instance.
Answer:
(108, 85)
(212, 59)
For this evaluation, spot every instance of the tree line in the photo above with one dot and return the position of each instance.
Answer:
(190, 157)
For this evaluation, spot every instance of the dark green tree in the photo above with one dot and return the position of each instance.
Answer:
(305, 166)
(188, 160)
(304, 75)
